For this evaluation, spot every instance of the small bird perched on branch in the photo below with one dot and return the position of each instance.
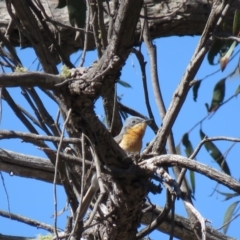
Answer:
(130, 140)
(131, 135)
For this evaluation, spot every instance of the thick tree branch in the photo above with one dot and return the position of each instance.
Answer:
(123, 201)
(30, 79)
(33, 167)
(42, 169)
(163, 18)
(182, 229)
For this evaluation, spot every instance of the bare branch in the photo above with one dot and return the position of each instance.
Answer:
(33, 167)
(29, 137)
(30, 79)
(211, 139)
(8, 237)
(155, 223)
(182, 229)
(56, 172)
(172, 160)
(151, 48)
(28, 221)
(142, 64)
(31, 30)
(214, 20)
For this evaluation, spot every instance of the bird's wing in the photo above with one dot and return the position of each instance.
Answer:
(118, 138)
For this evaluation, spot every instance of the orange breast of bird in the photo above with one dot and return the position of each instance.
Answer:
(132, 138)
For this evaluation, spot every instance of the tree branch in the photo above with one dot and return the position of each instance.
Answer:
(30, 79)
(28, 221)
(182, 229)
(173, 160)
(214, 20)
(163, 18)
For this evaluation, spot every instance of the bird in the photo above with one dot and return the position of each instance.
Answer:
(130, 140)
(131, 135)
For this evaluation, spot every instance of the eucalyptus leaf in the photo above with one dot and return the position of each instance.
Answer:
(218, 95)
(215, 154)
(124, 84)
(195, 89)
(229, 195)
(228, 215)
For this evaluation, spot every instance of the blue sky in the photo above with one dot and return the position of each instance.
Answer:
(34, 199)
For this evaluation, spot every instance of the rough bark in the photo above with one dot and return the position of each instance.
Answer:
(170, 18)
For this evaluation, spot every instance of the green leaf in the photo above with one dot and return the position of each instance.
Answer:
(77, 12)
(187, 144)
(225, 59)
(215, 50)
(216, 154)
(228, 215)
(192, 180)
(236, 22)
(228, 195)
(62, 3)
(195, 89)
(219, 47)
(124, 84)
(189, 150)
(218, 95)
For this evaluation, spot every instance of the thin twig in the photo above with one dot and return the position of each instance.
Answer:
(44, 114)
(181, 92)
(47, 19)
(158, 97)
(17, 111)
(115, 103)
(55, 173)
(159, 219)
(172, 219)
(78, 215)
(66, 157)
(101, 186)
(142, 64)
(28, 221)
(213, 73)
(5, 134)
(65, 60)
(95, 28)
(25, 93)
(153, 60)
(86, 35)
(211, 139)
(228, 222)
(102, 25)
(5, 190)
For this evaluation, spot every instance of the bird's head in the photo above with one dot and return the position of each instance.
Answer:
(135, 124)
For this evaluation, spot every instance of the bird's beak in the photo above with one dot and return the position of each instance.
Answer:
(147, 121)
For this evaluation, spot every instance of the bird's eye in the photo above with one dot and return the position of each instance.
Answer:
(133, 121)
